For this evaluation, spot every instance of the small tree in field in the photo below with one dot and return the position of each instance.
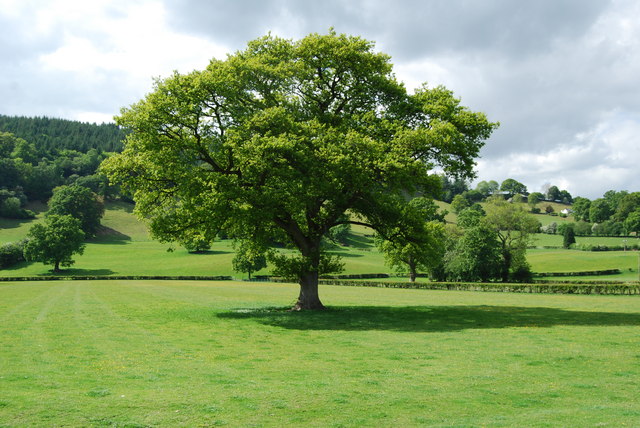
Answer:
(568, 237)
(416, 254)
(249, 258)
(513, 227)
(281, 141)
(55, 241)
(197, 243)
(474, 256)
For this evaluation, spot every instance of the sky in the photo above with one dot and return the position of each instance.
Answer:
(561, 76)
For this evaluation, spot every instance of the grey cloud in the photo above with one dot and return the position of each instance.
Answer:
(406, 28)
(548, 70)
(19, 41)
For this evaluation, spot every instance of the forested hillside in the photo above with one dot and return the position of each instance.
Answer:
(49, 134)
(39, 154)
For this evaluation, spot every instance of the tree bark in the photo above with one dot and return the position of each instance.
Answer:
(506, 265)
(412, 270)
(308, 299)
(56, 266)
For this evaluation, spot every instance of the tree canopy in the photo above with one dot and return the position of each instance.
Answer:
(55, 241)
(513, 227)
(78, 202)
(513, 187)
(287, 139)
(418, 242)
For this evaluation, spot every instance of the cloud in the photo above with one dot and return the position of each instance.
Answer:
(600, 159)
(559, 75)
(88, 59)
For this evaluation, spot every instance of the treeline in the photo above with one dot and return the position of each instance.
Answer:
(50, 135)
(460, 195)
(36, 156)
(616, 213)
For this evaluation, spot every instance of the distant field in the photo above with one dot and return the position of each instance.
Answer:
(181, 353)
(125, 248)
(543, 239)
(579, 261)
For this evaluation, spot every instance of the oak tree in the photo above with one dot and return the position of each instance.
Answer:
(283, 139)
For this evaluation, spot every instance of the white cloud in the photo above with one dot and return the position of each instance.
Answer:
(108, 53)
(603, 158)
(560, 75)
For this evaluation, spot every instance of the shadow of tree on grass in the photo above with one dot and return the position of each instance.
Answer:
(79, 272)
(108, 235)
(429, 318)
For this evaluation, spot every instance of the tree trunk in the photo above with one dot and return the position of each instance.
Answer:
(309, 297)
(506, 265)
(412, 270)
(56, 266)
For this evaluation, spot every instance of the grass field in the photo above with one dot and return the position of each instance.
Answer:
(125, 248)
(543, 239)
(138, 354)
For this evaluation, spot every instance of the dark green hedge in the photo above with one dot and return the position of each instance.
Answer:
(559, 288)
(357, 276)
(123, 277)
(583, 273)
(591, 247)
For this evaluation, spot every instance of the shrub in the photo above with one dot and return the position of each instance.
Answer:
(11, 253)
(569, 237)
(562, 228)
(582, 228)
(11, 208)
(607, 228)
(197, 244)
(550, 229)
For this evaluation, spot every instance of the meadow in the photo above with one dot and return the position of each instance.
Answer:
(195, 353)
(125, 248)
(188, 353)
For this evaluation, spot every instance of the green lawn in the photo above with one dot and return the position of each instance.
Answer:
(152, 353)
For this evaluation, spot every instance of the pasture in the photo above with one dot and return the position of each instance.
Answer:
(153, 353)
(125, 248)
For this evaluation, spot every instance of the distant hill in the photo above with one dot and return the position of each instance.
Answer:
(53, 135)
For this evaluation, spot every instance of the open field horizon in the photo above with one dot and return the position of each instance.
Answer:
(125, 248)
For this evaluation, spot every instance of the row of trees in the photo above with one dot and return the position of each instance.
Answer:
(51, 135)
(458, 193)
(615, 213)
(487, 244)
